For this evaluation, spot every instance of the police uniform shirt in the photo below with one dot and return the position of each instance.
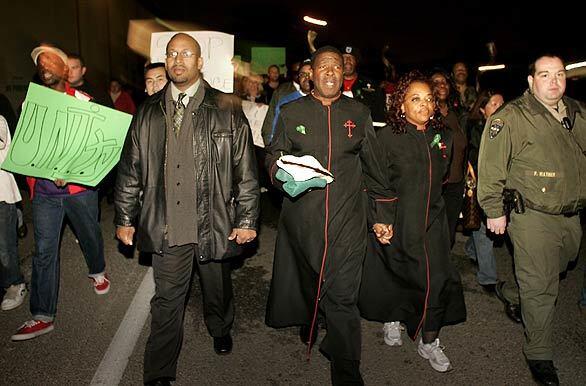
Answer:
(559, 112)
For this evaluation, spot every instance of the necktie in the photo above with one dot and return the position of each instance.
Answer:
(178, 113)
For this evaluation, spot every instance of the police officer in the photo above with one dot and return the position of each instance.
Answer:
(361, 88)
(535, 145)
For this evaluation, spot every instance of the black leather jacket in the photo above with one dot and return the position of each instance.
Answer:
(226, 174)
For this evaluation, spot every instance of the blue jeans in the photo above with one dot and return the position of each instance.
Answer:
(9, 262)
(479, 248)
(48, 214)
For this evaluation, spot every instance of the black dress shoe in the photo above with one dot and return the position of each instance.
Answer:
(22, 231)
(512, 310)
(304, 335)
(489, 288)
(544, 372)
(223, 345)
(159, 382)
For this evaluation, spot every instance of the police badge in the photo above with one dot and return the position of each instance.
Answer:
(495, 127)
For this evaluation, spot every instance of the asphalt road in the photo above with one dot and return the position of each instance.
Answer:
(485, 350)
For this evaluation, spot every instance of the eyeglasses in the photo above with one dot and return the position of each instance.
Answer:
(184, 54)
(304, 75)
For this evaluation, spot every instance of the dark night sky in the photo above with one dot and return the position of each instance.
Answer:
(420, 34)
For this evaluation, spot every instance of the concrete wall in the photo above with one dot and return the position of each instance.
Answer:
(94, 28)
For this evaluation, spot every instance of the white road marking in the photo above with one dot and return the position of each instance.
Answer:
(115, 360)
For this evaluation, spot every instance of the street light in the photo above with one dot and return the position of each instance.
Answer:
(491, 67)
(575, 65)
(315, 21)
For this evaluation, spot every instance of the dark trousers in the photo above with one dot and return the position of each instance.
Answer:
(543, 245)
(172, 272)
(453, 194)
(342, 343)
(9, 262)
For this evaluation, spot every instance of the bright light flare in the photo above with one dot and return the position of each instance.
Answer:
(575, 65)
(491, 68)
(312, 20)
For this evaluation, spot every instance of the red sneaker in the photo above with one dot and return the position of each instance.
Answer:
(31, 329)
(101, 284)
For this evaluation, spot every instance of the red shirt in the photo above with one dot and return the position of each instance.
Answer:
(348, 83)
(125, 103)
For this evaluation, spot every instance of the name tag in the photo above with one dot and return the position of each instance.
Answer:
(537, 173)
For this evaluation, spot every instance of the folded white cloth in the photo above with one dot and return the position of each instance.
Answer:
(304, 168)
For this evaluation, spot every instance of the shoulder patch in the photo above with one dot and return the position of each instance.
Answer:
(496, 126)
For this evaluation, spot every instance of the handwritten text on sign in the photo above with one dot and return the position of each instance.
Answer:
(59, 136)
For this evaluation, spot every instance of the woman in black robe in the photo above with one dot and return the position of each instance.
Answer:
(412, 280)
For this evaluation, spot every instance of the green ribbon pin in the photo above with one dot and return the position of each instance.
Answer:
(300, 129)
(436, 140)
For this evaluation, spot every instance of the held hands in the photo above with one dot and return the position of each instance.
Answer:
(497, 225)
(242, 235)
(383, 232)
(294, 188)
(125, 234)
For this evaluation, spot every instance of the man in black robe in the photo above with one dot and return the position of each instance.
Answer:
(322, 232)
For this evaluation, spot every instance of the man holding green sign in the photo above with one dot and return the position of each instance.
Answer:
(61, 140)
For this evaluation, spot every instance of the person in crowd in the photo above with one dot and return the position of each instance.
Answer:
(361, 88)
(155, 78)
(292, 70)
(453, 192)
(121, 98)
(467, 93)
(192, 209)
(274, 80)
(11, 278)
(51, 202)
(532, 155)
(253, 89)
(412, 280)
(76, 79)
(389, 82)
(322, 231)
(299, 87)
(122, 101)
(479, 245)
(7, 112)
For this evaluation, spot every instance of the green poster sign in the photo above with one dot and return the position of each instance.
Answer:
(60, 136)
(263, 57)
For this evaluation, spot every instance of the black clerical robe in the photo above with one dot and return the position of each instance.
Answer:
(325, 226)
(412, 280)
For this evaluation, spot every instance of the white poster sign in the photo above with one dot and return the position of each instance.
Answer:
(217, 50)
(255, 113)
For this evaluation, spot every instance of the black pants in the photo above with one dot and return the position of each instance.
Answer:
(342, 343)
(172, 273)
(453, 194)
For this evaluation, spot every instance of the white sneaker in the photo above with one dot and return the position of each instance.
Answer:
(392, 333)
(435, 353)
(14, 296)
